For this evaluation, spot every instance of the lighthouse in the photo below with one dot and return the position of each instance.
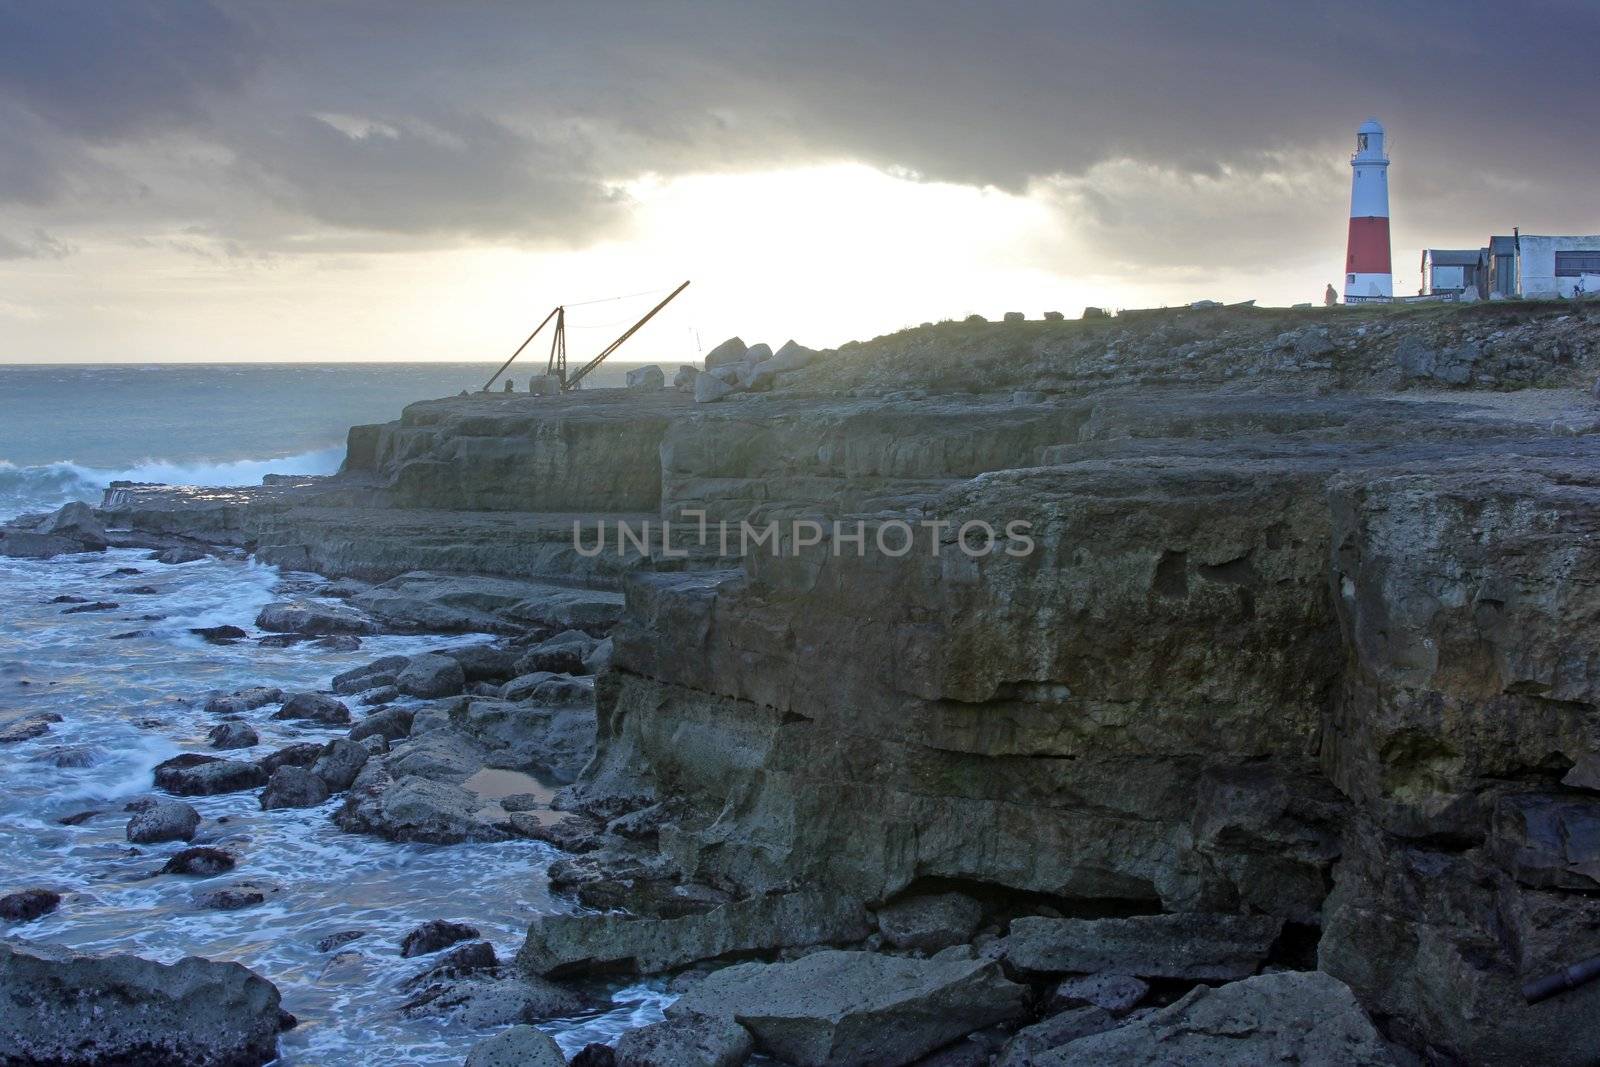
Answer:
(1366, 269)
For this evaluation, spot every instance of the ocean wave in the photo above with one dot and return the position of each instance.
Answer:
(47, 486)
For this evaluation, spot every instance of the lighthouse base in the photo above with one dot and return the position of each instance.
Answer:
(1368, 287)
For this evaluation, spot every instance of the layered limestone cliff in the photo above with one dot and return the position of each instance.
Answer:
(1307, 629)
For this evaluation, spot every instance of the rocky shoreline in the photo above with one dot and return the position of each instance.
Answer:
(1279, 746)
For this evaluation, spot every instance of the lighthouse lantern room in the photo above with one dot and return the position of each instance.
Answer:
(1367, 272)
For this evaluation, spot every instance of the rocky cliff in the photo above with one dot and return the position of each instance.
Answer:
(1307, 629)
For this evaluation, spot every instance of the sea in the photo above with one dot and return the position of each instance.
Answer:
(129, 685)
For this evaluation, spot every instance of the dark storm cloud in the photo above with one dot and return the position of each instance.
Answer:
(512, 121)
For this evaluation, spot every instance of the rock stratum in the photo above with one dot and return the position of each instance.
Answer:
(1301, 668)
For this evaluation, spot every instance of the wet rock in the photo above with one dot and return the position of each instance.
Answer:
(139, 590)
(689, 1039)
(1189, 946)
(389, 723)
(343, 937)
(201, 861)
(1023, 1049)
(313, 619)
(195, 775)
(560, 945)
(281, 640)
(337, 643)
(429, 677)
(410, 808)
(562, 654)
(487, 662)
(434, 935)
(463, 959)
(26, 544)
(299, 754)
(164, 820)
(242, 700)
(384, 694)
(219, 635)
(315, 707)
(554, 741)
(341, 760)
(293, 787)
(97, 605)
(1301, 1017)
(174, 556)
(380, 672)
(75, 521)
(930, 923)
(78, 818)
(233, 735)
(64, 1007)
(1116, 993)
(27, 905)
(28, 728)
(836, 1008)
(569, 834)
(554, 690)
(235, 896)
(518, 1046)
(69, 756)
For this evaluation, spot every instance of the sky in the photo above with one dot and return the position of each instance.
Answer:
(189, 180)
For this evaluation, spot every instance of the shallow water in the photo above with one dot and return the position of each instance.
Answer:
(126, 705)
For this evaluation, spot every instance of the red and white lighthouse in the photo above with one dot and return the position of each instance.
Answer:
(1366, 270)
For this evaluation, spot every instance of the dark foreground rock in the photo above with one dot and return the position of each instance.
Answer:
(66, 1008)
(518, 1046)
(434, 935)
(27, 905)
(27, 729)
(164, 820)
(688, 1039)
(1302, 1017)
(1191, 947)
(833, 1009)
(196, 775)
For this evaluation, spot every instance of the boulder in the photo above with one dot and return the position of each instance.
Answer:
(1014, 317)
(433, 935)
(518, 1046)
(481, 1000)
(243, 700)
(75, 521)
(708, 387)
(730, 351)
(648, 378)
(98, 605)
(757, 353)
(689, 1039)
(562, 654)
(173, 557)
(599, 660)
(380, 672)
(233, 735)
(315, 707)
(235, 896)
(28, 728)
(195, 775)
(341, 760)
(219, 635)
(293, 787)
(337, 643)
(1188, 946)
(199, 862)
(1025, 1046)
(410, 808)
(165, 820)
(313, 619)
(554, 690)
(487, 662)
(1116, 993)
(299, 754)
(64, 1007)
(1301, 1017)
(26, 544)
(386, 694)
(790, 357)
(429, 676)
(26, 905)
(389, 723)
(834, 1008)
(683, 378)
(586, 944)
(930, 923)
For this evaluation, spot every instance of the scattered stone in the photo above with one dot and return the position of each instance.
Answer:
(519, 1046)
(233, 735)
(64, 1007)
(434, 935)
(688, 1039)
(195, 775)
(200, 861)
(1116, 993)
(27, 729)
(219, 635)
(930, 923)
(560, 945)
(315, 707)
(1301, 1017)
(164, 820)
(834, 1007)
(243, 700)
(27, 905)
(1192, 946)
(293, 787)
(429, 676)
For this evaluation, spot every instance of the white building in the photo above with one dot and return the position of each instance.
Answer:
(1557, 266)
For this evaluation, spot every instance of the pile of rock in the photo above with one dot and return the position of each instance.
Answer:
(735, 367)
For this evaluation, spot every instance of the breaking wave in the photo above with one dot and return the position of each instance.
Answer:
(49, 485)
